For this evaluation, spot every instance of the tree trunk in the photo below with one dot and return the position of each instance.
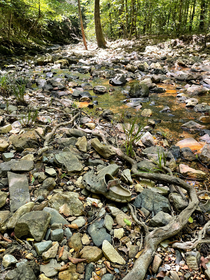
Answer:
(99, 33)
(192, 16)
(202, 15)
(81, 24)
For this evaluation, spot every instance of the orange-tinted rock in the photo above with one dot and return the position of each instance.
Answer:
(191, 173)
(191, 143)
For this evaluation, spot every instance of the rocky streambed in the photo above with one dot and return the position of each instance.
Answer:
(55, 227)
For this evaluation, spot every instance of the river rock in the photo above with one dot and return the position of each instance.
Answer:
(69, 161)
(71, 200)
(205, 154)
(98, 233)
(152, 201)
(28, 139)
(8, 260)
(91, 253)
(108, 222)
(51, 253)
(69, 274)
(187, 154)
(118, 80)
(160, 219)
(111, 254)
(191, 102)
(33, 224)
(24, 271)
(190, 143)
(5, 129)
(3, 145)
(120, 216)
(49, 269)
(19, 190)
(99, 89)
(103, 150)
(43, 246)
(3, 198)
(192, 126)
(147, 139)
(4, 215)
(81, 144)
(75, 242)
(80, 221)
(139, 90)
(178, 202)
(196, 90)
(48, 184)
(191, 173)
(18, 214)
(193, 260)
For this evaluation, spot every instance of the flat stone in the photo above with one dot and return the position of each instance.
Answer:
(5, 129)
(69, 161)
(7, 156)
(67, 233)
(49, 269)
(91, 253)
(178, 202)
(120, 216)
(98, 233)
(22, 166)
(107, 276)
(192, 126)
(24, 271)
(51, 253)
(152, 201)
(118, 233)
(108, 222)
(33, 224)
(18, 214)
(8, 260)
(133, 250)
(43, 246)
(99, 89)
(50, 172)
(193, 260)
(205, 154)
(71, 199)
(48, 184)
(82, 144)
(19, 190)
(29, 157)
(111, 254)
(85, 239)
(88, 271)
(55, 216)
(191, 173)
(156, 263)
(75, 132)
(3, 145)
(103, 150)
(187, 154)
(4, 215)
(147, 139)
(80, 222)
(3, 198)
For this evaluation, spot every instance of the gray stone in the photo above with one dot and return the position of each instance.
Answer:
(75, 242)
(67, 233)
(56, 226)
(4, 215)
(55, 216)
(48, 184)
(51, 253)
(192, 126)
(24, 272)
(43, 246)
(8, 260)
(107, 276)
(108, 222)
(187, 154)
(19, 190)
(99, 89)
(82, 144)
(7, 156)
(69, 161)
(57, 235)
(22, 165)
(98, 233)
(133, 250)
(75, 132)
(205, 154)
(139, 90)
(33, 224)
(3, 198)
(49, 269)
(80, 221)
(147, 139)
(104, 150)
(88, 271)
(70, 199)
(40, 176)
(50, 172)
(5, 129)
(160, 219)
(146, 165)
(18, 214)
(3, 145)
(178, 202)
(111, 254)
(152, 201)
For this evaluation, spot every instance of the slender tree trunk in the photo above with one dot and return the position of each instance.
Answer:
(35, 22)
(192, 16)
(99, 33)
(81, 24)
(126, 18)
(10, 24)
(202, 15)
(180, 17)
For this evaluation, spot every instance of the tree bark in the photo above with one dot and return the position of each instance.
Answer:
(99, 33)
(81, 24)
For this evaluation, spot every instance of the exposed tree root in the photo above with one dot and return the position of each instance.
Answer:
(157, 235)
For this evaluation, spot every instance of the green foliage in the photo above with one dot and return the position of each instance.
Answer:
(132, 136)
(19, 92)
(5, 85)
(29, 119)
(161, 161)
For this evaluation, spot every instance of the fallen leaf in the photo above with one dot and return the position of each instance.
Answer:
(95, 204)
(128, 223)
(61, 252)
(203, 262)
(64, 267)
(73, 226)
(76, 261)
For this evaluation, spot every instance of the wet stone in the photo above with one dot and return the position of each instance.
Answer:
(57, 235)
(19, 190)
(98, 233)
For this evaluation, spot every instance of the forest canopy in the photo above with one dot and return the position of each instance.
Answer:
(41, 19)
